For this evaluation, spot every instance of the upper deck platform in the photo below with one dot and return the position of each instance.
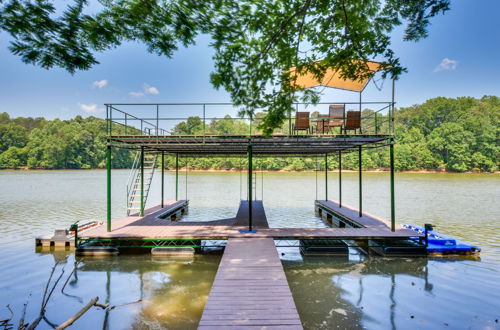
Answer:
(237, 145)
(207, 129)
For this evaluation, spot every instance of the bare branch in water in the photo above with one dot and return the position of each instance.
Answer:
(47, 286)
(22, 325)
(69, 277)
(52, 290)
(53, 325)
(5, 323)
(75, 317)
(130, 303)
(101, 305)
(80, 300)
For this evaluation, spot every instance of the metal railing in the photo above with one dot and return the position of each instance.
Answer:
(219, 119)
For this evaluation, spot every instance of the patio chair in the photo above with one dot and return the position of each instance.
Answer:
(337, 116)
(353, 121)
(301, 122)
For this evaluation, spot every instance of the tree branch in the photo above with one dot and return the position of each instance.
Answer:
(75, 317)
(280, 30)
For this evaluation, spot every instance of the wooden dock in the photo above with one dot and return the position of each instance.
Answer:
(259, 219)
(250, 289)
(152, 227)
(366, 220)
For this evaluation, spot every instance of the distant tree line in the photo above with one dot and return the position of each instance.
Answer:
(38, 143)
(455, 135)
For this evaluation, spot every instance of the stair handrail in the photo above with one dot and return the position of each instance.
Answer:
(132, 175)
(150, 179)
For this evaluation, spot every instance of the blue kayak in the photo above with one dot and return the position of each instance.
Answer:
(442, 244)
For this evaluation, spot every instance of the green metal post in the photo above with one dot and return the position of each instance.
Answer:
(162, 177)
(108, 172)
(360, 159)
(340, 178)
(186, 190)
(142, 182)
(326, 177)
(204, 120)
(176, 177)
(391, 122)
(393, 207)
(250, 159)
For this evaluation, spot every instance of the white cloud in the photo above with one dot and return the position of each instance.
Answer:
(100, 83)
(446, 64)
(146, 89)
(150, 89)
(90, 108)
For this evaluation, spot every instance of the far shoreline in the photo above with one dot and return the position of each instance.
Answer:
(258, 170)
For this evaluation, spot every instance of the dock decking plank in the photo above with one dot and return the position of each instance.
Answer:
(250, 289)
(259, 219)
(366, 220)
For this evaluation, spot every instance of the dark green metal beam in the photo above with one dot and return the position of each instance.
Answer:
(340, 178)
(326, 177)
(176, 177)
(108, 188)
(162, 178)
(142, 182)
(360, 160)
(393, 206)
(250, 208)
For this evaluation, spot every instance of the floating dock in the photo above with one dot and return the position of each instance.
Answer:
(250, 289)
(153, 227)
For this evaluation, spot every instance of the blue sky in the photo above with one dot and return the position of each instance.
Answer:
(459, 58)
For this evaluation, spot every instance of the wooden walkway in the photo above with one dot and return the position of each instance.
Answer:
(259, 219)
(250, 289)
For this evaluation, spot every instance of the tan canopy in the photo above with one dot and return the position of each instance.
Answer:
(332, 79)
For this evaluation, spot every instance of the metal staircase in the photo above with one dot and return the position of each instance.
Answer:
(134, 181)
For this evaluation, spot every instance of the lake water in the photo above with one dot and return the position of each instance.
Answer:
(358, 292)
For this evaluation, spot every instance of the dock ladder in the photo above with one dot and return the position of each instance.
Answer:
(134, 181)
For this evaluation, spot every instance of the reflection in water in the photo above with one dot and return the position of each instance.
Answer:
(171, 294)
(337, 297)
(395, 293)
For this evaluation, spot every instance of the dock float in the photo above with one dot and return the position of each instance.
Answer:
(250, 289)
